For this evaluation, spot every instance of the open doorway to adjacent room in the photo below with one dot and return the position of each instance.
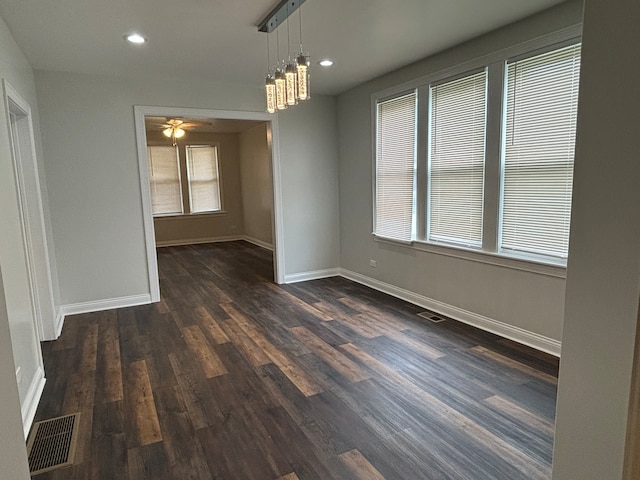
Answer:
(207, 176)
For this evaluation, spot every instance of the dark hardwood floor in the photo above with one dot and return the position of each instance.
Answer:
(233, 377)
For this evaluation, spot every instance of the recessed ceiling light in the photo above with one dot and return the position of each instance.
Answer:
(326, 62)
(135, 38)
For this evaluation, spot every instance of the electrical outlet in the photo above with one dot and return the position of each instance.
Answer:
(373, 263)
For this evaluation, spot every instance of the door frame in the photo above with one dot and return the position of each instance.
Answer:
(273, 142)
(48, 322)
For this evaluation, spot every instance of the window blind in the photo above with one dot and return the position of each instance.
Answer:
(456, 160)
(166, 194)
(395, 167)
(204, 187)
(539, 144)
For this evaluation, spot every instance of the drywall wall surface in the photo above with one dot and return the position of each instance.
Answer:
(603, 278)
(257, 189)
(309, 175)
(184, 229)
(13, 459)
(26, 349)
(528, 301)
(92, 175)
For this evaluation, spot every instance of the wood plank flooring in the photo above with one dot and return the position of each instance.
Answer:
(233, 377)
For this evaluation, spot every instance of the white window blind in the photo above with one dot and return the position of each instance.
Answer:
(204, 183)
(456, 160)
(395, 167)
(166, 194)
(539, 143)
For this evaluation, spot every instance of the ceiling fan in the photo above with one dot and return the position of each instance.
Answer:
(174, 128)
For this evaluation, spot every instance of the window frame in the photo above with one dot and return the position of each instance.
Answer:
(495, 64)
(216, 147)
(427, 234)
(375, 167)
(185, 194)
(180, 180)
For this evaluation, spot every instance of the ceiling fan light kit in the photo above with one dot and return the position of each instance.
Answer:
(287, 82)
(173, 129)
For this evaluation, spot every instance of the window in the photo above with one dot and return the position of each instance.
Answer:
(395, 169)
(164, 170)
(184, 186)
(456, 160)
(204, 188)
(539, 142)
(482, 160)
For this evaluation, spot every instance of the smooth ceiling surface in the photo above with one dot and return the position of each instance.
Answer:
(218, 40)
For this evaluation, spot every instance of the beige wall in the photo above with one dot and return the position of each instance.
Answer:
(185, 229)
(257, 191)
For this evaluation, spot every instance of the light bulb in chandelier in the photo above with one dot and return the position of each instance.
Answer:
(281, 92)
(291, 83)
(270, 90)
(302, 66)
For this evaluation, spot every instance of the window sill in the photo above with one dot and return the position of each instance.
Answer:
(186, 216)
(541, 266)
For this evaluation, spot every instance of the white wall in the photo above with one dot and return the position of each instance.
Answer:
(26, 349)
(603, 280)
(13, 461)
(94, 191)
(309, 175)
(529, 301)
(257, 191)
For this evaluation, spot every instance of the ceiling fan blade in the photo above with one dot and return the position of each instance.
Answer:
(155, 119)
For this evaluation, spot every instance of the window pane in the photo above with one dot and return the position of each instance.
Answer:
(166, 194)
(539, 144)
(456, 160)
(204, 188)
(395, 167)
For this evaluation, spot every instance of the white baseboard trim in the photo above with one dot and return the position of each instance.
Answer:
(511, 332)
(197, 241)
(59, 322)
(313, 275)
(258, 242)
(31, 400)
(108, 304)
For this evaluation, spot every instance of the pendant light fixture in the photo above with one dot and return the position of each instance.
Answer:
(290, 71)
(281, 89)
(270, 83)
(289, 81)
(302, 66)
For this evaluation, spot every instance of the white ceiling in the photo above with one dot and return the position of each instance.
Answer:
(218, 39)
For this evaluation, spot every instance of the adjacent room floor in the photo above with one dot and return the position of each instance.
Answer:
(233, 377)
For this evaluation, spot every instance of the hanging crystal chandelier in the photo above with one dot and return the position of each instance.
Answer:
(287, 81)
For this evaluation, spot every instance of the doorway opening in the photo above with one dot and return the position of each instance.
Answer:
(208, 176)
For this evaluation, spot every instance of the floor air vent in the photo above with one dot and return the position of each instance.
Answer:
(52, 443)
(432, 317)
